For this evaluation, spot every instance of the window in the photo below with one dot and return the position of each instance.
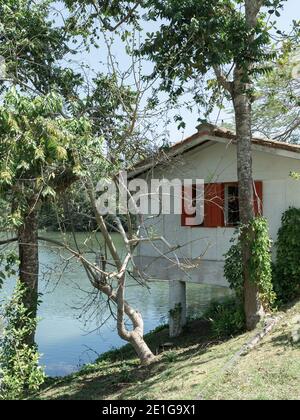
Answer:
(231, 204)
(221, 204)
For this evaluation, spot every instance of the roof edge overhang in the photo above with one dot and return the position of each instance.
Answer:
(208, 135)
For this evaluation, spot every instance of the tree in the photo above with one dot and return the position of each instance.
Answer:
(46, 146)
(232, 39)
(113, 113)
(39, 151)
(32, 45)
(102, 280)
(117, 113)
(115, 105)
(276, 112)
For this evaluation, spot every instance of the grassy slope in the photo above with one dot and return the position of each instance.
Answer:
(194, 369)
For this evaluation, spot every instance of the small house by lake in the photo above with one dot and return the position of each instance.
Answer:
(210, 154)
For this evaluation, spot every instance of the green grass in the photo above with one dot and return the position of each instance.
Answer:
(192, 369)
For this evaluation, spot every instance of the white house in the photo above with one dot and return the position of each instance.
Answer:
(196, 254)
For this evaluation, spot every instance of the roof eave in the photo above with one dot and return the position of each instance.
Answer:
(208, 133)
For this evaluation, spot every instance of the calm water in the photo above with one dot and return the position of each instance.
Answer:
(76, 325)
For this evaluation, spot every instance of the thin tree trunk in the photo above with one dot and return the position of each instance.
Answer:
(29, 261)
(136, 336)
(242, 105)
(141, 348)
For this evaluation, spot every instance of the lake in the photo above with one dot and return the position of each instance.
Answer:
(76, 325)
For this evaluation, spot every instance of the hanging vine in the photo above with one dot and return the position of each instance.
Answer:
(260, 262)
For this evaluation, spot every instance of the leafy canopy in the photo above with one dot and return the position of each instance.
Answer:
(196, 36)
(276, 113)
(32, 44)
(40, 150)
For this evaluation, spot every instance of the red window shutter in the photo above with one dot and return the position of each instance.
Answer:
(187, 192)
(258, 198)
(214, 205)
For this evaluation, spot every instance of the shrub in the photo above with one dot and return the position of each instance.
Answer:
(287, 267)
(19, 370)
(227, 317)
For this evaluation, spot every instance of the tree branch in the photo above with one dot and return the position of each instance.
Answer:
(123, 20)
(222, 79)
(8, 241)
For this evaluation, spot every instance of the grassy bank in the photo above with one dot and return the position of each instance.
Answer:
(194, 368)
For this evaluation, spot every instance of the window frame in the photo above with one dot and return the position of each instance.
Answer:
(226, 210)
(258, 200)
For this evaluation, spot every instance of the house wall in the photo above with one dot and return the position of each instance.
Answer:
(215, 163)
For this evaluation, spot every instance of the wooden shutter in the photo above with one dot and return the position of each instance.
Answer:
(186, 192)
(258, 198)
(214, 205)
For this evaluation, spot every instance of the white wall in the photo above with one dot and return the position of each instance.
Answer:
(217, 163)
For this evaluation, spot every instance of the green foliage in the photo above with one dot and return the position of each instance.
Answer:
(170, 356)
(113, 12)
(260, 262)
(8, 262)
(276, 110)
(19, 371)
(73, 211)
(233, 268)
(176, 311)
(125, 375)
(227, 317)
(67, 212)
(287, 267)
(196, 36)
(40, 151)
(110, 106)
(32, 45)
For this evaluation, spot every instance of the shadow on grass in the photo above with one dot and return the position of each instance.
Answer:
(117, 371)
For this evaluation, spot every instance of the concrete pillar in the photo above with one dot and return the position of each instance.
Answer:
(177, 307)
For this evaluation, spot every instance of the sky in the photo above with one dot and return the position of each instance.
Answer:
(96, 57)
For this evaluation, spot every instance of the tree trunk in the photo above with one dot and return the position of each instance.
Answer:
(141, 348)
(134, 337)
(242, 107)
(29, 261)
